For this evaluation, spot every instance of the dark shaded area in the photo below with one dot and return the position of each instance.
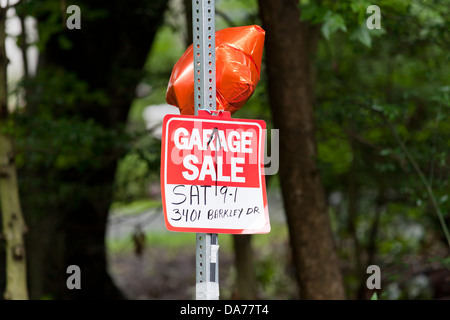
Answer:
(106, 57)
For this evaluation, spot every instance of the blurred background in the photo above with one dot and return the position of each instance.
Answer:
(364, 120)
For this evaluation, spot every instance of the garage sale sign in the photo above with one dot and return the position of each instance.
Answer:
(212, 174)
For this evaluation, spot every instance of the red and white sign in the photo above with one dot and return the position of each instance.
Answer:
(212, 174)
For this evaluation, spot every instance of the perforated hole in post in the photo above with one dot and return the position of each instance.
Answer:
(204, 54)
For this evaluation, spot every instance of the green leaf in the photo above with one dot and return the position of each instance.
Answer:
(446, 262)
(374, 296)
(362, 35)
(359, 5)
(312, 12)
(65, 43)
(332, 23)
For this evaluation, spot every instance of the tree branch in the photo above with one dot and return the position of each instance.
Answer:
(3, 66)
(225, 17)
(355, 136)
(13, 223)
(419, 172)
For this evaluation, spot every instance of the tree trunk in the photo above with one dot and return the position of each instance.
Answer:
(3, 67)
(13, 224)
(371, 249)
(188, 15)
(245, 272)
(12, 218)
(352, 213)
(290, 46)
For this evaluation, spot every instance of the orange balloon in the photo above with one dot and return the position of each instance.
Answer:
(238, 65)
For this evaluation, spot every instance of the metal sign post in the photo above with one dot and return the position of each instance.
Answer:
(207, 244)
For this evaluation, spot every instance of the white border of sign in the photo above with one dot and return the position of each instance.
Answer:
(265, 227)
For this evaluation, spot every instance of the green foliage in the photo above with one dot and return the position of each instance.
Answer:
(166, 50)
(332, 22)
(382, 120)
(64, 144)
(60, 92)
(350, 16)
(52, 19)
(58, 137)
(138, 170)
(55, 138)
